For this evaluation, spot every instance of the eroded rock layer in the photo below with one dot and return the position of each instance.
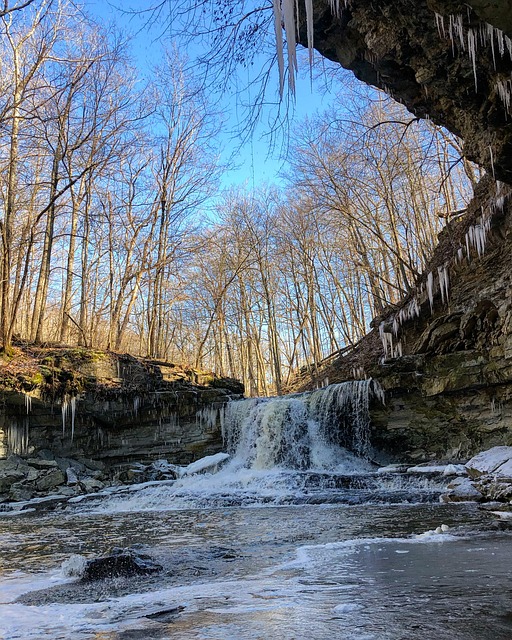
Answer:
(441, 58)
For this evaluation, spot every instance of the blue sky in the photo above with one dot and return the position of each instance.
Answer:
(253, 164)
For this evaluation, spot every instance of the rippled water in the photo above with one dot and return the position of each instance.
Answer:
(304, 545)
(305, 571)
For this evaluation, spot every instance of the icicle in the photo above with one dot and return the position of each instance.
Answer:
(459, 255)
(468, 251)
(309, 22)
(444, 283)
(396, 325)
(386, 339)
(73, 413)
(430, 290)
(278, 19)
(491, 155)
(28, 403)
(136, 405)
(413, 310)
(441, 282)
(504, 90)
(288, 9)
(472, 44)
(440, 25)
(64, 409)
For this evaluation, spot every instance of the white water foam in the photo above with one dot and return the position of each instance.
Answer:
(272, 443)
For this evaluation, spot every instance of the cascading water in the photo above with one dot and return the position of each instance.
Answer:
(313, 430)
(306, 448)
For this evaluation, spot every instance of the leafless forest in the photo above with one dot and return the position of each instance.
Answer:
(114, 233)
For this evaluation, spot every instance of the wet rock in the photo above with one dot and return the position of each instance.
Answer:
(91, 485)
(120, 563)
(461, 490)
(21, 491)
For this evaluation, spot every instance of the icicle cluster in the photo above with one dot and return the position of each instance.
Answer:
(17, 437)
(286, 17)
(470, 39)
(358, 373)
(68, 406)
(475, 241)
(394, 349)
(476, 236)
(207, 417)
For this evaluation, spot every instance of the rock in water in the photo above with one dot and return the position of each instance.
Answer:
(120, 563)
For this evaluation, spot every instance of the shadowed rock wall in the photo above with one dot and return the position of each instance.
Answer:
(438, 57)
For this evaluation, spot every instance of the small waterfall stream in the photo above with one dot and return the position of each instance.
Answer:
(312, 430)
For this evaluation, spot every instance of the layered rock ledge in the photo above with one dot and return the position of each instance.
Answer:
(112, 408)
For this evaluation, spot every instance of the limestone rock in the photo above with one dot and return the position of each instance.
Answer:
(50, 480)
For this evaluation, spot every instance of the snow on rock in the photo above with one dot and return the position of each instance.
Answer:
(208, 464)
(461, 489)
(497, 460)
(445, 469)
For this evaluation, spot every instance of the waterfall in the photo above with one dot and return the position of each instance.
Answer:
(301, 431)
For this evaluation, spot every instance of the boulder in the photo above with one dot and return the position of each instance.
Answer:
(495, 488)
(21, 491)
(8, 478)
(50, 480)
(461, 489)
(120, 563)
(91, 485)
(497, 460)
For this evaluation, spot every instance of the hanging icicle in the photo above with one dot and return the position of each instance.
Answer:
(387, 341)
(430, 290)
(286, 17)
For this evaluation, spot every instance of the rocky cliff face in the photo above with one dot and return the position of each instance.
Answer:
(444, 355)
(109, 407)
(443, 59)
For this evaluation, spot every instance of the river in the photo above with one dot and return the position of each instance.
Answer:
(311, 544)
